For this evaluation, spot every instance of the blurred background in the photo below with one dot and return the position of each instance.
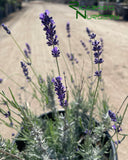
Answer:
(120, 6)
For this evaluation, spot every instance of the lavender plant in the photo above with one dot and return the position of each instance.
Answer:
(74, 133)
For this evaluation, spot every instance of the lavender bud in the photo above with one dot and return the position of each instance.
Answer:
(26, 53)
(6, 29)
(28, 48)
(55, 52)
(98, 73)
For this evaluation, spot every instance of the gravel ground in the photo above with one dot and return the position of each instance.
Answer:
(26, 27)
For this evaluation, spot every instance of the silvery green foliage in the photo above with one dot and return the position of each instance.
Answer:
(58, 137)
(9, 151)
(37, 148)
(89, 151)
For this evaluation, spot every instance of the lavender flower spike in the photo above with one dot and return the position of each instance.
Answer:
(68, 29)
(88, 31)
(28, 48)
(6, 29)
(25, 70)
(26, 53)
(112, 115)
(83, 44)
(97, 48)
(49, 27)
(59, 88)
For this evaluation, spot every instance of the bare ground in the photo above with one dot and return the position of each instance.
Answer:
(26, 27)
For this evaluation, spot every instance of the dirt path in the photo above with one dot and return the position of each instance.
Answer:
(26, 27)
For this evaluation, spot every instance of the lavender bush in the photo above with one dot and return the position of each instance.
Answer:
(77, 133)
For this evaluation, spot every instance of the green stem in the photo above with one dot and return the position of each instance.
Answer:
(123, 134)
(58, 66)
(36, 95)
(70, 50)
(74, 73)
(92, 109)
(122, 105)
(91, 62)
(69, 45)
(124, 113)
(66, 91)
(66, 65)
(18, 46)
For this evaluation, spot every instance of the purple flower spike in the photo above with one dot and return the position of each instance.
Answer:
(112, 115)
(6, 29)
(72, 58)
(88, 31)
(1, 80)
(28, 48)
(83, 44)
(55, 52)
(97, 47)
(49, 27)
(26, 53)
(25, 70)
(59, 88)
(68, 29)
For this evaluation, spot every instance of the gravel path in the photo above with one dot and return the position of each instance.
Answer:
(26, 27)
